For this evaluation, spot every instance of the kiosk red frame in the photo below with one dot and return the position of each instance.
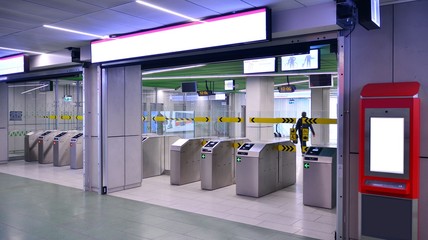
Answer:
(389, 160)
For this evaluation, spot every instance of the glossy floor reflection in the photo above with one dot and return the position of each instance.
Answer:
(36, 210)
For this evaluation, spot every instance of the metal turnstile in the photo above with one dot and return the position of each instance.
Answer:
(61, 148)
(185, 161)
(76, 151)
(218, 163)
(262, 169)
(31, 150)
(153, 155)
(45, 146)
(319, 177)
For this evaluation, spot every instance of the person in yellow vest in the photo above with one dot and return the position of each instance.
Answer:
(303, 130)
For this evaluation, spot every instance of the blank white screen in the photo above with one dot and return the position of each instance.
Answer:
(387, 145)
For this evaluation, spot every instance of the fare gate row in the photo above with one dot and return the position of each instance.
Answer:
(256, 168)
(61, 148)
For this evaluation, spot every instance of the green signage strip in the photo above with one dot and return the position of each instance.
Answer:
(306, 165)
(238, 159)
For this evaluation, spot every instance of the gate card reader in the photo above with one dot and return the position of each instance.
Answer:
(61, 148)
(76, 151)
(45, 145)
(261, 169)
(319, 177)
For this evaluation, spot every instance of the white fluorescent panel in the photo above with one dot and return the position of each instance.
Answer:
(263, 65)
(387, 145)
(236, 28)
(14, 64)
(300, 61)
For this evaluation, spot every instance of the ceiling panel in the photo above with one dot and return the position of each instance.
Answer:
(149, 14)
(16, 24)
(5, 30)
(27, 12)
(314, 2)
(107, 22)
(183, 7)
(276, 4)
(106, 3)
(75, 7)
(222, 6)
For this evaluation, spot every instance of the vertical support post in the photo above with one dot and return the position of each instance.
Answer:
(343, 144)
(4, 122)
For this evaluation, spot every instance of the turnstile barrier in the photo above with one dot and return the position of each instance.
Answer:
(31, 150)
(61, 148)
(186, 161)
(319, 177)
(218, 163)
(76, 151)
(261, 169)
(45, 146)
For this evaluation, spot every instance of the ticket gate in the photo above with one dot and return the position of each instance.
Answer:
(76, 151)
(45, 146)
(30, 146)
(218, 163)
(262, 169)
(153, 156)
(319, 177)
(61, 148)
(186, 161)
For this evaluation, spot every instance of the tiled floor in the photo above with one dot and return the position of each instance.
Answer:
(36, 210)
(282, 210)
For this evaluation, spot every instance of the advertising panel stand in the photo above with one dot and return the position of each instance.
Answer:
(389, 161)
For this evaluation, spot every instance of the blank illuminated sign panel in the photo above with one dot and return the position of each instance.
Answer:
(14, 64)
(387, 145)
(237, 28)
(262, 65)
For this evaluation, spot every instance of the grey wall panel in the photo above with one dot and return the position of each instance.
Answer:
(4, 96)
(115, 101)
(133, 161)
(115, 163)
(91, 164)
(411, 54)
(371, 62)
(353, 200)
(133, 102)
(423, 200)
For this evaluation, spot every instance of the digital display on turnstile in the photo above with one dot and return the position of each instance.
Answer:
(211, 144)
(77, 136)
(45, 133)
(60, 135)
(246, 146)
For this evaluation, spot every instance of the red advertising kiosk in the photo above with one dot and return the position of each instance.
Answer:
(389, 161)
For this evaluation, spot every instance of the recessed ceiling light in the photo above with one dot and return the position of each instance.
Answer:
(20, 50)
(168, 11)
(74, 31)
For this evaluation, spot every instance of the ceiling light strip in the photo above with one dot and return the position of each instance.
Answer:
(20, 50)
(74, 31)
(172, 69)
(33, 89)
(167, 11)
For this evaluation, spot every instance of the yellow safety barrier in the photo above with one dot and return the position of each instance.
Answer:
(286, 148)
(305, 149)
(204, 142)
(65, 117)
(272, 120)
(163, 119)
(236, 145)
(79, 117)
(319, 120)
(229, 119)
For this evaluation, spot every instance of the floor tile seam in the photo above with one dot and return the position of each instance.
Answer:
(269, 222)
(281, 221)
(317, 229)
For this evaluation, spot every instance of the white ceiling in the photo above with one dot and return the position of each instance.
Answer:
(21, 21)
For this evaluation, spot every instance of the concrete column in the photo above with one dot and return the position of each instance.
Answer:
(4, 122)
(260, 103)
(320, 108)
(121, 128)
